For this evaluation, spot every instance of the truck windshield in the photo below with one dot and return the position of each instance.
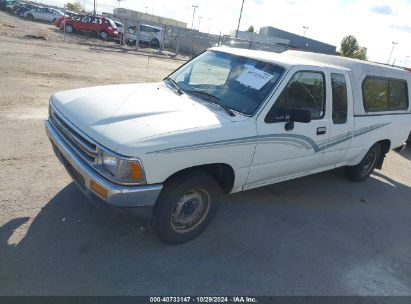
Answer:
(240, 83)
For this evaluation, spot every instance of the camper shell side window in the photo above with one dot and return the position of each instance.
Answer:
(384, 94)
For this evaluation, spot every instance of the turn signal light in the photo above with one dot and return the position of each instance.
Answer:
(98, 189)
(136, 172)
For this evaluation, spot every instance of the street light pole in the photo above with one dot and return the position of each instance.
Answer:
(209, 24)
(305, 29)
(95, 7)
(194, 12)
(392, 50)
(199, 21)
(239, 20)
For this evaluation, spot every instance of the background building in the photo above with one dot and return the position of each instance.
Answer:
(299, 42)
(134, 16)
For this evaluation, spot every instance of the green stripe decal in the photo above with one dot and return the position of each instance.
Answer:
(301, 140)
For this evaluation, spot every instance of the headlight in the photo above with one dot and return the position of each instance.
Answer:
(120, 170)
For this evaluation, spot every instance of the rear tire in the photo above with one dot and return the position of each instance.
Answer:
(155, 43)
(363, 170)
(186, 206)
(30, 17)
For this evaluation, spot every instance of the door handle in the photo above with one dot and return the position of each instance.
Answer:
(321, 130)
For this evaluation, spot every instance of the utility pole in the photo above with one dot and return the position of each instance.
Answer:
(209, 24)
(199, 21)
(392, 50)
(119, 2)
(194, 12)
(305, 29)
(95, 7)
(239, 19)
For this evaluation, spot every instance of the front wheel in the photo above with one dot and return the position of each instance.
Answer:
(186, 206)
(103, 35)
(367, 165)
(69, 29)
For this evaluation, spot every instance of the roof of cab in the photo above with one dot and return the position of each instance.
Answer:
(292, 58)
(283, 59)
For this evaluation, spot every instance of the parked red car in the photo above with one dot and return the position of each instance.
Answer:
(408, 69)
(102, 27)
(60, 20)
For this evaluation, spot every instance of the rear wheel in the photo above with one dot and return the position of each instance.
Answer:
(155, 43)
(30, 17)
(367, 165)
(186, 206)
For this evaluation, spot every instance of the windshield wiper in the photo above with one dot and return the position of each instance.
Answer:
(213, 99)
(175, 85)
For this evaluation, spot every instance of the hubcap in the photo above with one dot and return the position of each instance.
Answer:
(190, 211)
(369, 162)
(103, 35)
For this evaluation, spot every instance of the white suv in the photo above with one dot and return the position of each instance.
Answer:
(151, 35)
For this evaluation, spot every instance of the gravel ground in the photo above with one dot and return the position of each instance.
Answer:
(318, 235)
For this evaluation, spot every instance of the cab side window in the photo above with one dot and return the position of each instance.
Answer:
(305, 91)
(339, 89)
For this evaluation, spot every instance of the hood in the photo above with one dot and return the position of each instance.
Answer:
(120, 114)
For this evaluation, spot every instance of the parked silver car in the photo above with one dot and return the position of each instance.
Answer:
(43, 14)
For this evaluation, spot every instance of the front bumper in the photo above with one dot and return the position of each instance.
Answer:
(117, 196)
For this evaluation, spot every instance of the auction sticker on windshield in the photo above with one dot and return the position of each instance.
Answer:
(254, 78)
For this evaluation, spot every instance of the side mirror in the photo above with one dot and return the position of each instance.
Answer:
(298, 115)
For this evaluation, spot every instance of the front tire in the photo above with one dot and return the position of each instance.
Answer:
(69, 29)
(186, 206)
(363, 170)
(103, 35)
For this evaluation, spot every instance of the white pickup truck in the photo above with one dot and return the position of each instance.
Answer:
(229, 120)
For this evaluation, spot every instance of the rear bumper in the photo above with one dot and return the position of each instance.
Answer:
(118, 196)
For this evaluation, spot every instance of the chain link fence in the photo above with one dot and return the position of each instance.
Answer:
(132, 34)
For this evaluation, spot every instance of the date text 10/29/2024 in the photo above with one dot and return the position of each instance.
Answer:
(203, 300)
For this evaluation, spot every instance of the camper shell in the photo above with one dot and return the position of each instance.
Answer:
(359, 70)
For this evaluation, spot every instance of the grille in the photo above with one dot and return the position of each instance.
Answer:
(82, 146)
(77, 177)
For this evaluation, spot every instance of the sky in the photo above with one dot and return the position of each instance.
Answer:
(376, 24)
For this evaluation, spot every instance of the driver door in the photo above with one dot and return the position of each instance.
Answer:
(283, 154)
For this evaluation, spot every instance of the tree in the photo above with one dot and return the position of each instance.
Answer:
(74, 6)
(351, 48)
(251, 29)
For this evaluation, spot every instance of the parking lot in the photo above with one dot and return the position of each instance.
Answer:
(318, 235)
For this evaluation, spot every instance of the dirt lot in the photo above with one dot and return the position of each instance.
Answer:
(319, 235)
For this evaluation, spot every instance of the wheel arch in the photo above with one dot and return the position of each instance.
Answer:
(385, 148)
(223, 173)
